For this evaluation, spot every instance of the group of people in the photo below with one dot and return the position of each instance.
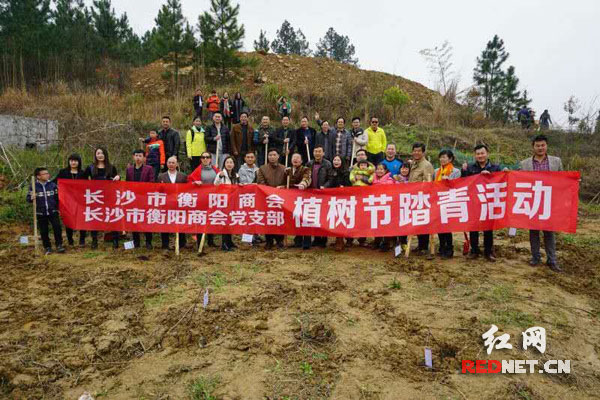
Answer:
(230, 108)
(526, 116)
(284, 157)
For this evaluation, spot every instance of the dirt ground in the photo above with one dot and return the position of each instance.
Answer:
(292, 324)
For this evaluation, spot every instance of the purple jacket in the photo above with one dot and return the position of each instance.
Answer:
(147, 173)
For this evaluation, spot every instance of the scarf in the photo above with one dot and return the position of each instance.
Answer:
(226, 110)
(444, 171)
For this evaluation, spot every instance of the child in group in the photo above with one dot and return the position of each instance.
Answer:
(402, 177)
(46, 203)
(155, 153)
(382, 176)
(362, 174)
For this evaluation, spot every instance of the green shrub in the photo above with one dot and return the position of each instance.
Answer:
(14, 208)
(396, 98)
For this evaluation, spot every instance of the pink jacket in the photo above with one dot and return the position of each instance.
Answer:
(384, 180)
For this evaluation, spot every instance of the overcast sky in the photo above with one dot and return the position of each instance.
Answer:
(553, 44)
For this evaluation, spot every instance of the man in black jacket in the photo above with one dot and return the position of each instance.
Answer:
(482, 165)
(289, 137)
(320, 169)
(305, 135)
(325, 138)
(170, 138)
(217, 135)
(267, 137)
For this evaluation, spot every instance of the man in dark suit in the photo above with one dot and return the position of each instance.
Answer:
(172, 176)
(482, 165)
(140, 172)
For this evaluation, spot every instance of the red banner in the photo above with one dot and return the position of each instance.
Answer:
(528, 200)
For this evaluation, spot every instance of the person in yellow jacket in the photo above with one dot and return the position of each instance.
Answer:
(377, 142)
(194, 143)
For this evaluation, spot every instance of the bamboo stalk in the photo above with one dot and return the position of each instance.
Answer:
(202, 241)
(266, 152)
(431, 236)
(217, 155)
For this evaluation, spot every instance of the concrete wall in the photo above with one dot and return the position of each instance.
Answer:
(18, 131)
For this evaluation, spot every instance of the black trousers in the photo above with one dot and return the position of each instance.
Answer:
(44, 221)
(375, 159)
(423, 242)
(194, 163)
(319, 241)
(384, 242)
(488, 242)
(164, 238)
(136, 238)
(70, 232)
(260, 157)
(276, 238)
(446, 246)
(227, 121)
(156, 171)
(227, 240)
(302, 241)
(198, 113)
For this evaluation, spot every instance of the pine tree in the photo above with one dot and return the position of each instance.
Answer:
(24, 34)
(262, 44)
(288, 41)
(72, 40)
(173, 36)
(107, 27)
(220, 28)
(337, 47)
(488, 74)
(524, 101)
(508, 98)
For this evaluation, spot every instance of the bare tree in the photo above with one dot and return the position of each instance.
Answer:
(572, 107)
(439, 62)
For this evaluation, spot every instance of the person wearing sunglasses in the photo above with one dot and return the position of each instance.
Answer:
(376, 143)
(205, 174)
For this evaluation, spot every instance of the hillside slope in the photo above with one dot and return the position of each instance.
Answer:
(311, 83)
